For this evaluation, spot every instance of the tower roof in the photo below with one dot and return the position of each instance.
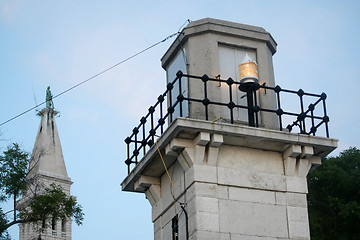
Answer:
(216, 26)
(47, 157)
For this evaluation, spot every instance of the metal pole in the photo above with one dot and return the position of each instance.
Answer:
(250, 101)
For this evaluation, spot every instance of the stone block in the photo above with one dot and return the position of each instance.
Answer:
(201, 189)
(182, 226)
(290, 166)
(299, 230)
(247, 179)
(147, 181)
(192, 223)
(155, 191)
(224, 236)
(157, 210)
(206, 189)
(296, 184)
(251, 195)
(253, 219)
(167, 231)
(202, 139)
(157, 225)
(299, 214)
(179, 187)
(158, 235)
(188, 154)
(298, 222)
(306, 152)
(216, 140)
(222, 192)
(246, 237)
(167, 198)
(189, 177)
(203, 214)
(296, 199)
(176, 145)
(150, 198)
(212, 157)
(207, 235)
(315, 160)
(191, 206)
(206, 204)
(250, 159)
(184, 162)
(207, 221)
(280, 198)
(165, 209)
(303, 167)
(169, 214)
(203, 173)
(190, 192)
(199, 154)
(292, 151)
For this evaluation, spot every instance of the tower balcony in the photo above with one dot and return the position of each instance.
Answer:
(177, 109)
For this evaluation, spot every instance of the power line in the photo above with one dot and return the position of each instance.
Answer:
(96, 75)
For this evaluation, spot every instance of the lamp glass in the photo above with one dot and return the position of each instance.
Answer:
(248, 72)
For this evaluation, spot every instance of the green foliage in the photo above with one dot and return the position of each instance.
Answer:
(13, 169)
(53, 204)
(42, 206)
(4, 235)
(334, 197)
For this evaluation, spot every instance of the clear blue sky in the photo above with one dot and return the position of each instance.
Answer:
(61, 43)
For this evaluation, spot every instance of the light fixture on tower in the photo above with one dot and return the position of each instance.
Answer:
(249, 83)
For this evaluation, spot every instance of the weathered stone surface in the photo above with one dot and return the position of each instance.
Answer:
(250, 159)
(253, 219)
(251, 195)
(246, 237)
(251, 179)
(207, 235)
(296, 199)
(296, 184)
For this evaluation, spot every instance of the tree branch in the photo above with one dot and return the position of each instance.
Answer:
(20, 221)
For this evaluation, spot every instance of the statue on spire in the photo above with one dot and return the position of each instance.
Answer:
(49, 101)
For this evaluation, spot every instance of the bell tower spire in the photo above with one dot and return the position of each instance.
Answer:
(47, 156)
(47, 166)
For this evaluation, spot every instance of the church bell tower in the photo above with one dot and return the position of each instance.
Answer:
(47, 166)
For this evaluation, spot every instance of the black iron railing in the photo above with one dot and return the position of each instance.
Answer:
(307, 121)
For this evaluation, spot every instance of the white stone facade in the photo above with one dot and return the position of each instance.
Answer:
(234, 182)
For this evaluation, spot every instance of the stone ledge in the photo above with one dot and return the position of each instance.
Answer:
(233, 135)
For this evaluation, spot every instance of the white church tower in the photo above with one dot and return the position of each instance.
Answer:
(46, 167)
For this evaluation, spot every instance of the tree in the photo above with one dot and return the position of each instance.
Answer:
(4, 235)
(334, 197)
(42, 205)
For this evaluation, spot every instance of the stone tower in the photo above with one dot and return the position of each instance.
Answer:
(211, 174)
(47, 166)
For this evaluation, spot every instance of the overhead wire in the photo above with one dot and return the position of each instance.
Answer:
(94, 76)
(102, 72)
